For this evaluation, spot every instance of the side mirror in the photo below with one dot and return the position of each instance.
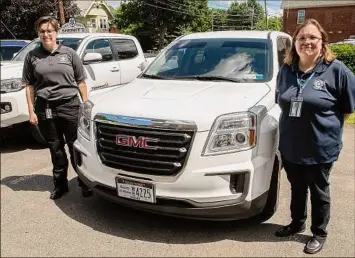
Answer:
(14, 54)
(143, 65)
(92, 58)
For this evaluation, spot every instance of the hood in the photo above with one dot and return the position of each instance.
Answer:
(11, 69)
(198, 101)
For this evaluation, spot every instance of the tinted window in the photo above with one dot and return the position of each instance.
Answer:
(125, 48)
(7, 52)
(101, 46)
(69, 42)
(243, 59)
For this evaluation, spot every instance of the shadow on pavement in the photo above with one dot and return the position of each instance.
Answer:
(17, 138)
(113, 219)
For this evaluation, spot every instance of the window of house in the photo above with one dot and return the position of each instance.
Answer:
(93, 23)
(125, 48)
(301, 16)
(103, 23)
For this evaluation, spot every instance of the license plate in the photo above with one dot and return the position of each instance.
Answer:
(135, 190)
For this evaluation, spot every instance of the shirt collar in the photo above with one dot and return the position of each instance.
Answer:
(320, 67)
(46, 51)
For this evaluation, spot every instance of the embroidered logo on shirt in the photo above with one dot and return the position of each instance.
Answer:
(319, 85)
(63, 60)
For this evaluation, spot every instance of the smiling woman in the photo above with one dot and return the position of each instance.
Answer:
(54, 76)
(316, 92)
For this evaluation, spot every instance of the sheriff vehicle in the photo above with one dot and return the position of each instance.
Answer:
(195, 135)
(110, 60)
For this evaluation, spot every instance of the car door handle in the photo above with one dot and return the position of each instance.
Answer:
(115, 69)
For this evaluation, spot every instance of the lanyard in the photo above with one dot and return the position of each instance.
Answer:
(303, 83)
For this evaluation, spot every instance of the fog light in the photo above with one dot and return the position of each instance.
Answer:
(77, 158)
(5, 107)
(237, 183)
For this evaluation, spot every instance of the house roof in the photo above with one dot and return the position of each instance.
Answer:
(86, 5)
(292, 4)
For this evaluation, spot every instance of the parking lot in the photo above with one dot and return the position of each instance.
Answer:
(34, 225)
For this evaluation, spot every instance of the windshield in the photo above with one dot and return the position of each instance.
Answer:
(69, 42)
(7, 52)
(245, 60)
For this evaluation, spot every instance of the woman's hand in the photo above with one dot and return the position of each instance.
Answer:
(33, 118)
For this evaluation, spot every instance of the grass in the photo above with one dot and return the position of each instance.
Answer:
(351, 119)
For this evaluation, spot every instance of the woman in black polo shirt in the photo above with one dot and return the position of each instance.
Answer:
(54, 75)
(315, 92)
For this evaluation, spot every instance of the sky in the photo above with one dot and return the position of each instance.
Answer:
(273, 6)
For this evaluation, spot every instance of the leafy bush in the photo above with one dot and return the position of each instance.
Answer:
(346, 54)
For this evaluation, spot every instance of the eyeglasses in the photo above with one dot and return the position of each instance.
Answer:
(312, 40)
(44, 31)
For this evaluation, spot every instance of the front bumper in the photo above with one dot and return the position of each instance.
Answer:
(18, 108)
(182, 209)
(202, 190)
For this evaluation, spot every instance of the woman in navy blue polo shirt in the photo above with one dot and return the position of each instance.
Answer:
(315, 92)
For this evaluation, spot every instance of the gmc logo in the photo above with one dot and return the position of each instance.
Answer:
(132, 141)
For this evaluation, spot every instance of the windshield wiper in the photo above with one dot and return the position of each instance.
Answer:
(209, 78)
(153, 76)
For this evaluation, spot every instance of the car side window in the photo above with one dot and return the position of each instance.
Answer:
(125, 48)
(288, 43)
(281, 51)
(101, 46)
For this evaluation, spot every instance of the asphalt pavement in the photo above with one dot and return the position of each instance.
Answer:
(34, 225)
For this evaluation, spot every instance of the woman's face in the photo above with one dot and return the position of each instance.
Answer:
(47, 34)
(309, 42)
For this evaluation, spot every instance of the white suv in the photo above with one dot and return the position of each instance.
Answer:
(195, 135)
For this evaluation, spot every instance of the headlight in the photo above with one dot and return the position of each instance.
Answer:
(85, 119)
(11, 85)
(231, 133)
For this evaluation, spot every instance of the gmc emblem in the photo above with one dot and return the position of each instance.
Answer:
(132, 141)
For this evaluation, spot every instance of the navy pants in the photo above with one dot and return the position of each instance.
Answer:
(316, 179)
(62, 125)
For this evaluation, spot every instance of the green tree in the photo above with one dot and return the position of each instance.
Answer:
(19, 16)
(274, 23)
(244, 15)
(157, 22)
(220, 19)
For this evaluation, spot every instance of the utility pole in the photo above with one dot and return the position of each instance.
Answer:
(61, 12)
(266, 20)
(252, 18)
(212, 20)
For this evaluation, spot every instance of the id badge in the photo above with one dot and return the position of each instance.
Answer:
(49, 113)
(296, 106)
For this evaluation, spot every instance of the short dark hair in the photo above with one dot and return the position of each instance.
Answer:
(47, 19)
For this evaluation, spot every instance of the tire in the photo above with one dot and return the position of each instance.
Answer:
(273, 196)
(36, 135)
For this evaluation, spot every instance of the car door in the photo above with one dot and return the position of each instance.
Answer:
(129, 58)
(107, 72)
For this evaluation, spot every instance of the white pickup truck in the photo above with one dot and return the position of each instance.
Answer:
(110, 60)
(195, 135)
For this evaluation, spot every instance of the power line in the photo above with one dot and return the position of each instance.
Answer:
(8, 29)
(184, 5)
(182, 12)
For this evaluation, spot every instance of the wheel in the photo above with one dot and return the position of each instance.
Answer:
(273, 196)
(37, 136)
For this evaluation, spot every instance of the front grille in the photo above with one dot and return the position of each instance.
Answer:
(166, 156)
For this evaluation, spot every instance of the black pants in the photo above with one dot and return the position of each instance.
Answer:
(316, 179)
(63, 124)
